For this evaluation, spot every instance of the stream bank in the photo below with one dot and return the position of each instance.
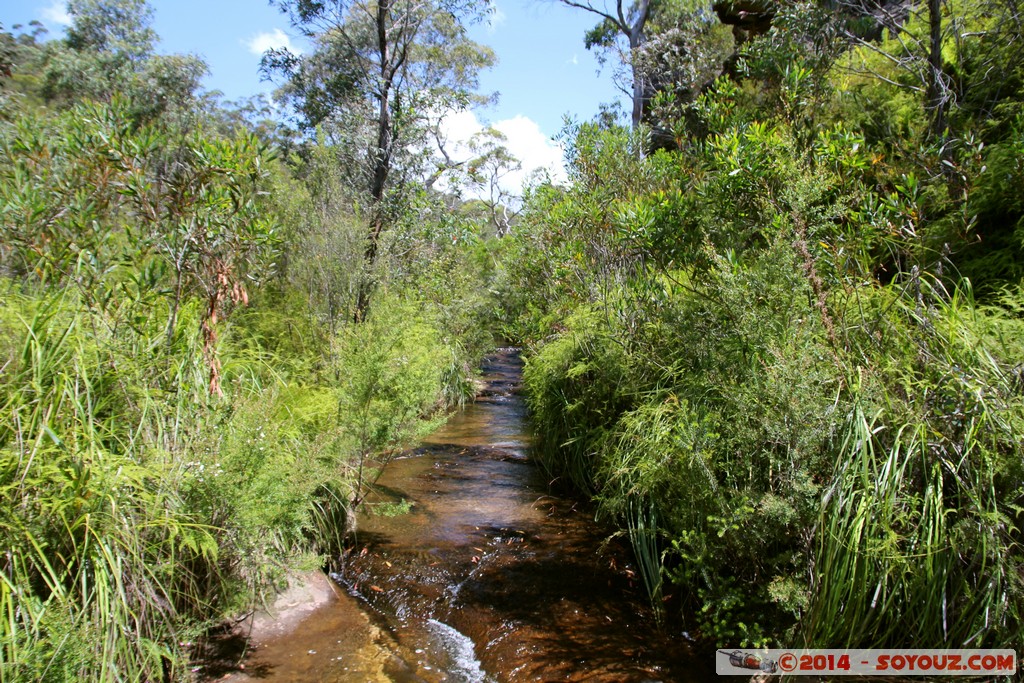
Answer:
(487, 578)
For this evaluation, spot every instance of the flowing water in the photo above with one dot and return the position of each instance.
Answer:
(487, 578)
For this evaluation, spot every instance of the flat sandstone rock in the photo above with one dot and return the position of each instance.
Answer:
(307, 593)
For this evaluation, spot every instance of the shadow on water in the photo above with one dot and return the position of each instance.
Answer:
(488, 577)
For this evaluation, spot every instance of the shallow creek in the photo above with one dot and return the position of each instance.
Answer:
(488, 577)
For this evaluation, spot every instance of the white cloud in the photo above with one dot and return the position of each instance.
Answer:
(524, 139)
(57, 13)
(459, 127)
(261, 42)
(533, 148)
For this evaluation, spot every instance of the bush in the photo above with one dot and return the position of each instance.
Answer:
(797, 451)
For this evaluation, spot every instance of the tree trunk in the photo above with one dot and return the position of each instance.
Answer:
(381, 161)
(936, 93)
(636, 41)
(638, 99)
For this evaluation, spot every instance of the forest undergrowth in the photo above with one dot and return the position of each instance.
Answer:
(781, 352)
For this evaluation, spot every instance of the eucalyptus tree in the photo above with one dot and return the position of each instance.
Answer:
(113, 27)
(110, 51)
(379, 75)
(15, 51)
(618, 21)
(487, 173)
(660, 45)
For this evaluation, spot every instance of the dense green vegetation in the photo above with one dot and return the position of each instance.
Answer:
(782, 352)
(189, 411)
(773, 326)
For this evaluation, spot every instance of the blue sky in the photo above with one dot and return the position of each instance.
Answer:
(543, 71)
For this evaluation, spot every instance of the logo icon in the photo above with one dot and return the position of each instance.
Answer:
(752, 660)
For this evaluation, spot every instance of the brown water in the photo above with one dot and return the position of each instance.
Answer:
(487, 578)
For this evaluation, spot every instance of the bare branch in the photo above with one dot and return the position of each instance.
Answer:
(619, 21)
(884, 79)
